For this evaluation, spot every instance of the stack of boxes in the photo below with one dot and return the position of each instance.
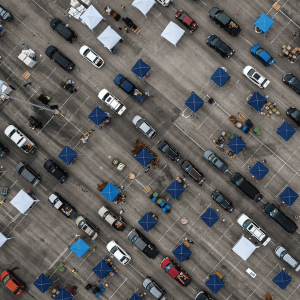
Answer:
(76, 10)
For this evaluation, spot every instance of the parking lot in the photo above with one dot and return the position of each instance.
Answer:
(41, 237)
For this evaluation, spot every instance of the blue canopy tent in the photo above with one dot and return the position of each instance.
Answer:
(236, 145)
(194, 102)
(182, 252)
(140, 68)
(175, 189)
(67, 155)
(264, 23)
(135, 297)
(214, 283)
(64, 295)
(257, 101)
(110, 192)
(79, 247)
(259, 170)
(98, 116)
(144, 157)
(288, 196)
(210, 217)
(286, 131)
(220, 77)
(282, 279)
(43, 283)
(102, 269)
(147, 222)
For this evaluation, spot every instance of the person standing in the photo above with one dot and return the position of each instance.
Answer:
(148, 168)
(67, 25)
(191, 32)
(126, 29)
(122, 211)
(147, 94)
(2, 201)
(123, 7)
(295, 33)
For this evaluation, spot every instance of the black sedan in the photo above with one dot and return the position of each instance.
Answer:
(292, 82)
(193, 172)
(294, 114)
(170, 152)
(226, 204)
(56, 171)
(219, 46)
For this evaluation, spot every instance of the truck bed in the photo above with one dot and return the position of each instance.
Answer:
(182, 279)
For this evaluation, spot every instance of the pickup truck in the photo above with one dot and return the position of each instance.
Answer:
(111, 218)
(112, 101)
(129, 88)
(175, 271)
(62, 205)
(224, 21)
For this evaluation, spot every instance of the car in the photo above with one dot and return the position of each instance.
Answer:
(262, 55)
(219, 46)
(285, 222)
(294, 114)
(211, 157)
(56, 171)
(255, 77)
(118, 252)
(85, 225)
(63, 61)
(91, 56)
(10, 280)
(193, 172)
(169, 151)
(154, 289)
(203, 296)
(144, 127)
(67, 33)
(287, 257)
(226, 204)
(186, 20)
(112, 101)
(292, 82)
(164, 2)
(62, 205)
(5, 14)
(253, 229)
(3, 151)
(27, 173)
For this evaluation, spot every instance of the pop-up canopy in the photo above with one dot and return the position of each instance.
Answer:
(91, 17)
(259, 170)
(147, 222)
(79, 248)
(109, 38)
(288, 196)
(244, 248)
(236, 145)
(210, 217)
(282, 279)
(264, 23)
(257, 101)
(140, 68)
(214, 283)
(64, 295)
(144, 157)
(182, 252)
(67, 155)
(173, 33)
(194, 102)
(143, 5)
(286, 131)
(135, 297)
(3, 239)
(175, 189)
(97, 116)
(102, 269)
(43, 283)
(220, 77)
(22, 201)
(110, 192)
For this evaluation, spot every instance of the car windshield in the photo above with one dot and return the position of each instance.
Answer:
(259, 51)
(81, 223)
(292, 80)
(187, 169)
(216, 42)
(150, 286)
(274, 212)
(123, 258)
(239, 182)
(5, 279)
(247, 223)
(182, 16)
(211, 157)
(114, 249)
(134, 238)
(85, 53)
(250, 73)
(296, 114)
(52, 169)
(168, 267)
(219, 199)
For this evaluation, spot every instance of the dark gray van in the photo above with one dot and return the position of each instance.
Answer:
(27, 173)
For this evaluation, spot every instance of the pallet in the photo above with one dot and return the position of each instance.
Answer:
(136, 31)
(26, 75)
(147, 189)
(276, 6)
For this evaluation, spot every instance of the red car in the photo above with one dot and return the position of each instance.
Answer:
(9, 279)
(186, 20)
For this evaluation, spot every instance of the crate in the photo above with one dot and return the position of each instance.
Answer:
(26, 75)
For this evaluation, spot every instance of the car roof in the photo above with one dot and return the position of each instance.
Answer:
(187, 19)
(265, 56)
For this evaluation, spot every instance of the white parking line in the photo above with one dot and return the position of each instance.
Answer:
(117, 289)
(43, 9)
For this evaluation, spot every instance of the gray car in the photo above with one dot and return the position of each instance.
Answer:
(27, 173)
(287, 257)
(157, 291)
(144, 127)
(210, 156)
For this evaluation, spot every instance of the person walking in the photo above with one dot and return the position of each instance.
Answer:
(123, 7)
(126, 29)
(74, 271)
(94, 249)
(122, 211)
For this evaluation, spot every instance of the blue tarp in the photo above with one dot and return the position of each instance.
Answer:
(147, 222)
(236, 145)
(110, 192)
(257, 101)
(220, 77)
(182, 252)
(43, 283)
(175, 189)
(97, 116)
(210, 217)
(102, 269)
(140, 68)
(144, 157)
(286, 131)
(79, 248)
(264, 23)
(194, 102)
(288, 196)
(135, 297)
(282, 279)
(67, 155)
(64, 295)
(259, 170)
(215, 283)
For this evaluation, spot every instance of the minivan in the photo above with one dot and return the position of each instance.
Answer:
(287, 257)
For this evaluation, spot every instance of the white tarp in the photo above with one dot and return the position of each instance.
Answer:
(109, 38)
(173, 33)
(91, 17)
(22, 201)
(3, 239)
(143, 5)
(244, 248)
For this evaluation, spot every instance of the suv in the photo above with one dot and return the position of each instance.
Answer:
(255, 77)
(87, 227)
(112, 101)
(170, 152)
(210, 156)
(154, 289)
(262, 55)
(3, 150)
(5, 14)
(292, 82)
(60, 58)
(26, 172)
(56, 171)
(219, 46)
(294, 114)
(61, 28)
(144, 127)
(287, 257)
(226, 204)
(243, 184)
(62, 205)
(10, 280)
(186, 20)
(193, 172)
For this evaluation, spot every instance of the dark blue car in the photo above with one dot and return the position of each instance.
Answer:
(262, 55)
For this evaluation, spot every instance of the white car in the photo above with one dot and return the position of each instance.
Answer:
(118, 252)
(143, 126)
(253, 229)
(255, 77)
(112, 101)
(91, 56)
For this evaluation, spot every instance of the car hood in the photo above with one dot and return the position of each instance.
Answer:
(211, 38)
(9, 129)
(254, 48)
(102, 93)
(207, 154)
(287, 76)
(136, 119)
(213, 11)
(247, 69)
(83, 49)
(242, 219)
(279, 250)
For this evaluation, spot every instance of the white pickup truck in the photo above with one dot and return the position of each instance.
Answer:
(111, 101)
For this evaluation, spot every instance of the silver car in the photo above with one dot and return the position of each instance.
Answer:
(287, 257)
(210, 156)
(157, 291)
(144, 127)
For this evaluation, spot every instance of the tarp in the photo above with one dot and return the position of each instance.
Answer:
(102, 269)
(286, 131)
(43, 283)
(3, 239)
(257, 101)
(288, 196)
(79, 247)
(67, 155)
(135, 297)
(144, 157)
(236, 145)
(173, 33)
(214, 283)
(182, 252)
(264, 23)
(22, 201)
(109, 38)
(97, 116)
(64, 295)
(194, 102)
(259, 170)
(143, 5)
(244, 248)
(147, 222)
(175, 189)
(140, 68)
(210, 217)
(110, 192)
(282, 279)
(91, 17)
(220, 77)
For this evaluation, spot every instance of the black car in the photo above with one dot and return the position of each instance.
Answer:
(61, 28)
(203, 296)
(219, 46)
(284, 221)
(294, 114)
(189, 168)
(5, 14)
(166, 148)
(60, 58)
(226, 204)
(292, 82)
(56, 171)
(3, 150)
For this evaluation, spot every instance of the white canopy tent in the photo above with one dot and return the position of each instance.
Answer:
(143, 5)
(244, 248)
(3, 239)
(22, 201)
(173, 33)
(109, 38)
(91, 17)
